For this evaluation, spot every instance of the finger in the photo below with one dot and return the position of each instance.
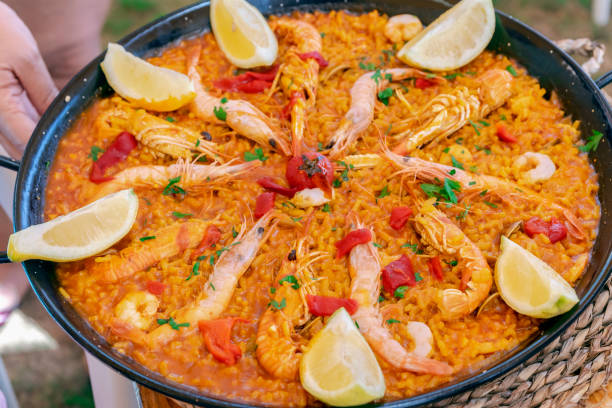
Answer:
(36, 80)
(15, 130)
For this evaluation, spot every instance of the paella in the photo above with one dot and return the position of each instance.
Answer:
(338, 184)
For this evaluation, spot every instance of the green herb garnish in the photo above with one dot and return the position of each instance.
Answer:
(172, 188)
(592, 142)
(93, 153)
(278, 305)
(456, 163)
(180, 215)
(292, 280)
(511, 70)
(384, 95)
(174, 325)
(257, 155)
(143, 239)
(400, 291)
(220, 113)
(391, 321)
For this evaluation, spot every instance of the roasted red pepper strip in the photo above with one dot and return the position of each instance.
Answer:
(217, 339)
(435, 268)
(264, 203)
(155, 287)
(327, 305)
(399, 217)
(398, 273)
(422, 83)
(310, 170)
(315, 55)
(557, 231)
(504, 134)
(286, 112)
(269, 184)
(248, 82)
(211, 237)
(535, 225)
(115, 153)
(352, 239)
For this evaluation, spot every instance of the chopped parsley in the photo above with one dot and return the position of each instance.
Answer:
(430, 75)
(347, 167)
(471, 183)
(456, 163)
(381, 298)
(195, 271)
(502, 117)
(413, 247)
(93, 153)
(478, 148)
(212, 286)
(475, 126)
(47, 164)
(592, 142)
(181, 215)
(368, 67)
(388, 77)
(272, 290)
(170, 119)
(464, 213)
(400, 291)
(376, 244)
(143, 239)
(278, 305)
(452, 262)
(174, 325)
(234, 232)
(146, 200)
(459, 141)
(257, 155)
(326, 208)
(418, 277)
(384, 95)
(453, 75)
(484, 123)
(511, 70)
(220, 113)
(391, 321)
(384, 192)
(288, 204)
(322, 35)
(490, 204)
(320, 147)
(377, 75)
(356, 324)
(224, 100)
(446, 150)
(296, 219)
(450, 186)
(172, 188)
(483, 193)
(290, 279)
(337, 183)
(474, 169)
(452, 172)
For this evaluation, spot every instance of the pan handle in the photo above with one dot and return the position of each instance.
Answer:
(605, 79)
(9, 163)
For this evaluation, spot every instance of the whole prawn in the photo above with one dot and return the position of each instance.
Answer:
(191, 175)
(363, 99)
(437, 230)
(140, 255)
(476, 183)
(447, 113)
(241, 116)
(218, 290)
(365, 288)
(279, 348)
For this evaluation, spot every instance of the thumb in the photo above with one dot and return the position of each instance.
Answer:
(36, 80)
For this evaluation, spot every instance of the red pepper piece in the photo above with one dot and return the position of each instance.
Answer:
(435, 268)
(211, 237)
(398, 273)
(269, 184)
(286, 112)
(557, 231)
(399, 217)
(264, 203)
(310, 170)
(155, 287)
(315, 55)
(217, 339)
(535, 225)
(327, 305)
(504, 134)
(352, 239)
(248, 82)
(422, 83)
(115, 153)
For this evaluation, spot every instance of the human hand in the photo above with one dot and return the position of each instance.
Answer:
(26, 88)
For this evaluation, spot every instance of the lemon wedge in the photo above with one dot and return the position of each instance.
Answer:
(339, 368)
(529, 285)
(145, 85)
(453, 39)
(79, 234)
(242, 33)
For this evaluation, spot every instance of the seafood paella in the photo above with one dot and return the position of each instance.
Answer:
(339, 179)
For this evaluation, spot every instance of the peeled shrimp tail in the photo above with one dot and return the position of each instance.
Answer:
(219, 289)
(241, 116)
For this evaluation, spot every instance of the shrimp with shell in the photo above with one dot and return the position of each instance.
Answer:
(402, 27)
(279, 346)
(365, 273)
(137, 309)
(242, 116)
(363, 98)
(218, 290)
(447, 113)
(472, 184)
(438, 231)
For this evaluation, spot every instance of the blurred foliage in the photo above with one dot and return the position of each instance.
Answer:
(554, 4)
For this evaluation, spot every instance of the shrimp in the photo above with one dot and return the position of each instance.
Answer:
(403, 27)
(363, 99)
(241, 116)
(543, 170)
(365, 289)
(218, 290)
(160, 136)
(137, 309)
(447, 113)
(299, 78)
(279, 348)
(471, 184)
(140, 255)
(437, 230)
(190, 175)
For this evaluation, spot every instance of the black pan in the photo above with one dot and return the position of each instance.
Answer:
(555, 70)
